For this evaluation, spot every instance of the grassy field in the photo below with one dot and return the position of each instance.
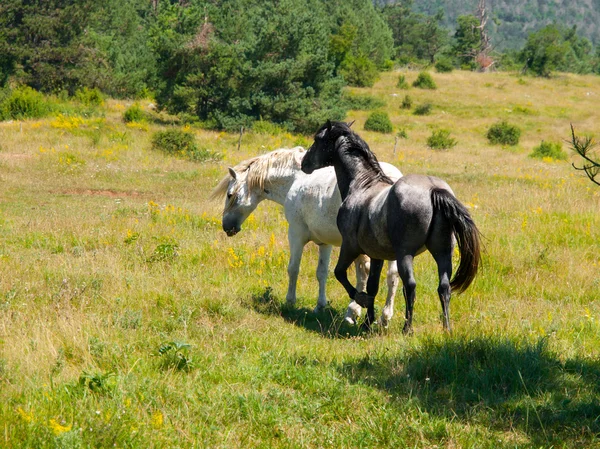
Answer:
(129, 319)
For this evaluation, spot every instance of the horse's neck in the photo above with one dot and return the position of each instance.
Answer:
(279, 184)
(349, 171)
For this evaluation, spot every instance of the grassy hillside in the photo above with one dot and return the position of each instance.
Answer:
(514, 20)
(129, 319)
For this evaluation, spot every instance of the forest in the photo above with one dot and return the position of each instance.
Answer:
(227, 64)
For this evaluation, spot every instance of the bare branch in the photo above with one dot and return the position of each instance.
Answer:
(584, 146)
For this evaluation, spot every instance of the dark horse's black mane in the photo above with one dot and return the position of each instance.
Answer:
(354, 144)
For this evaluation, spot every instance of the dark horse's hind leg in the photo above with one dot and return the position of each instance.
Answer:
(444, 263)
(405, 269)
(372, 289)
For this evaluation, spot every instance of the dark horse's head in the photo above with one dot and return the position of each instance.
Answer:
(322, 152)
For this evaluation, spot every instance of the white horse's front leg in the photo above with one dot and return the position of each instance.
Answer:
(393, 280)
(322, 271)
(296, 246)
(361, 265)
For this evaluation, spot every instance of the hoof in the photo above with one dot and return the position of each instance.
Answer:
(319, 308)
(363, 300)
(407, 330)
(384, 322)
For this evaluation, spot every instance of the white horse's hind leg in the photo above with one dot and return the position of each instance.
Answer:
(393, 280)
(296, 246)
(361, 265)
(322, 271)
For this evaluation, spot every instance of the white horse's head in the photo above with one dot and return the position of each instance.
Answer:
(252, 181)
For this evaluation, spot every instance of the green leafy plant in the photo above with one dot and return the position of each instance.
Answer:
(504, 133)
(440, 140)
(551, 150)
(402, 134)
(424, 81)
(379, 121)
(423, 109)
(98, 382)
(444, 65)
(176, 142)
(174, 355)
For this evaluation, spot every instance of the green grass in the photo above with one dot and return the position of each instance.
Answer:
(128, 318)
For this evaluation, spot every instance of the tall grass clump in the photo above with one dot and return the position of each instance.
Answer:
(134, 113)
(176, 142)
(423, 109)
(379, 121)
(440, 140)
(504, 133)
(402, 83)
(406, 102)
(424, 81)
(24, 103)
(552, 150)
(358, 102)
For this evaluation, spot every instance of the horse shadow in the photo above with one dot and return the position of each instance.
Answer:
(501, 383)
(328, 323)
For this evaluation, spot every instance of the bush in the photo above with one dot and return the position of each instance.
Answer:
(444, 65)
(440, 140)
(176, 142)
(406, 102)
(268, 128)
(359, 71)
(361, 102)
(551, 150)
(89, 97)
(24, 103)
(424, 81)
(134, 113)
(423, 109)
(504, 133)
(402, 84)
(402, 134)
(379, 121)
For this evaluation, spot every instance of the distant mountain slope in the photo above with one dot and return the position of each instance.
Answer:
(513, 20)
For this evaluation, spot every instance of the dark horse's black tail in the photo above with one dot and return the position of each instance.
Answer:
(466, 233)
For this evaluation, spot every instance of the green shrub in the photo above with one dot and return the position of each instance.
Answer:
(444, 65)
(359, 71)
(424, 81)
(402, 134)
(176, 142)
(379, 121)
(504, 133)
(440, 140)
(134, 113)
(89, 97)
(24, 103)
(358, 102)
(402, 84)
(406, 102)
(550, 150)
(423, 109)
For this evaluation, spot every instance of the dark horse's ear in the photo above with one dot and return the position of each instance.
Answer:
(328, 125)
(350, 124)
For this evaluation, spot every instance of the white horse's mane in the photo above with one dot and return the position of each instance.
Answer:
(258, 169)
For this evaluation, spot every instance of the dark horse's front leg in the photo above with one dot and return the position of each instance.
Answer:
(368, 299)
(347, 256)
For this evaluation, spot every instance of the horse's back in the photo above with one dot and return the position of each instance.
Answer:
(410, 210)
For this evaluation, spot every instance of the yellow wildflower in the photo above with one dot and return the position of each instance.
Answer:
(57, 427)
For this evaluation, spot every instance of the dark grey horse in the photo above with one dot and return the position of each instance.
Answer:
(393, 221)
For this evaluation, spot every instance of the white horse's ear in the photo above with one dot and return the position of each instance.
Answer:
(351, 123)
(298, 156)
(232, 172)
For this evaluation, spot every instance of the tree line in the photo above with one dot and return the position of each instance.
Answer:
(229, 63)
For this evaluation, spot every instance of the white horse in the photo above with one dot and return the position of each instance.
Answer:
(311, 205)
